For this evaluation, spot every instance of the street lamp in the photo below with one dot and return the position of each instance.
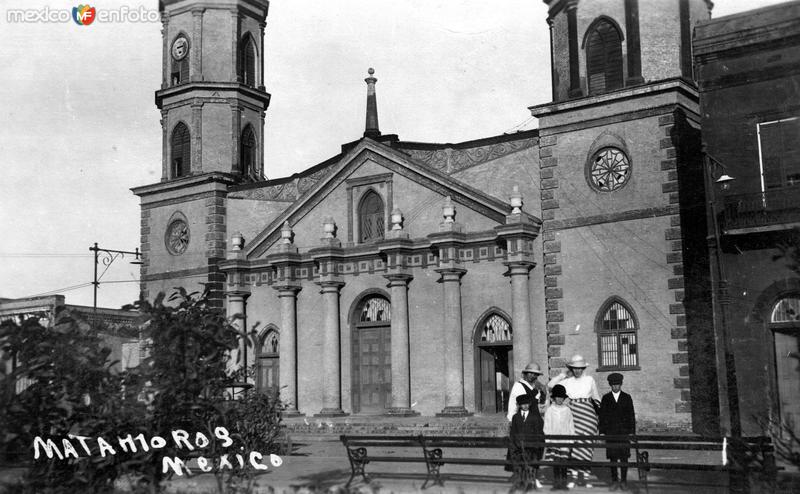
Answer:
(726, 365)
(107, 257)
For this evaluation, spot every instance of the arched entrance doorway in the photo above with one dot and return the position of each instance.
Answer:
(784, 322)
(493, 363)
(372, 355)
(268, 362)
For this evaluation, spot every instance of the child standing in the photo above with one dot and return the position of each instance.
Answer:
(526, 430)
(558, 421)
(617, 418)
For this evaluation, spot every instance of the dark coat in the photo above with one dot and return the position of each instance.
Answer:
(524, 432)
(617, 418)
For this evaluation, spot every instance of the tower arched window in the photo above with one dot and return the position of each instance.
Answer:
(181, 151)
(617, 336)
(248, 61)
(603, 44)
(371, 217)
(247, 156)
(179, 69)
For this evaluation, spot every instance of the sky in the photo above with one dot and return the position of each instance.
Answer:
(80, 128)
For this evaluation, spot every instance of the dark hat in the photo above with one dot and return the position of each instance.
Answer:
(559, 391)
(615, 378)
(523, 399)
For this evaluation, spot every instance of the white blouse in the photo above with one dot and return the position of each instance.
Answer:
(577, 387)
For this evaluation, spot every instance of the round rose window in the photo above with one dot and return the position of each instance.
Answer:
(609, 169)
(177, 237)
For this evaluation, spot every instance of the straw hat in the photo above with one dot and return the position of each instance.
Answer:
(577, 362)
(533, 367)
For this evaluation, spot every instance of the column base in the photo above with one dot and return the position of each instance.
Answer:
(289, 413)
(454, 412)
(633, 81)
(331, 412)
(400, 412)
(575, 93)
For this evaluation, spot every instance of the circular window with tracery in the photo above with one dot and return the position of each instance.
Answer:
(177, 237)
(609, 169)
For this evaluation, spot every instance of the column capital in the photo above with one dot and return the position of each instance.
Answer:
(451, 273)
(330, 285)
(398, 279)
(237, 294)
(287, 289)
(519, 267)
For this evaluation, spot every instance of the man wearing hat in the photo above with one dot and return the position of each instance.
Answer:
(617, 418)
(527, 385)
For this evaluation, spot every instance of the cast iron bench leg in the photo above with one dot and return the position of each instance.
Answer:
(432, 461)
(357, 463)
(643, 458)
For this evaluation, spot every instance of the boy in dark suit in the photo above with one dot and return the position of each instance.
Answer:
(527, 427)
(617, 418)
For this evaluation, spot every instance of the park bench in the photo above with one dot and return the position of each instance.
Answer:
(741, 458)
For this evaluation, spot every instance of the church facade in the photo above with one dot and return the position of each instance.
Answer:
(419, 278)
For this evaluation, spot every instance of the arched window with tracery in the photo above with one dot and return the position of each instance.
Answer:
(181, 151)
(617, 335)
(371, 217)
(603, 43)
(268, 362)
(248, 61)
(247, 157)
(495, 329)
(786, 310)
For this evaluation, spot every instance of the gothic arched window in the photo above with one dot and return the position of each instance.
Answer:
(247, 156)
(371, 217)
(248, 61)
(603, 44)
(617, 330)
(181, 151)
(268, 363)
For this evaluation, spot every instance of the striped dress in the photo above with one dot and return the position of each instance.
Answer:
(582, 393)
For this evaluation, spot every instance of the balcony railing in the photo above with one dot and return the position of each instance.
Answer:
(761, 210)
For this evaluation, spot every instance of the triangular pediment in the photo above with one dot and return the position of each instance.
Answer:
(370, 159)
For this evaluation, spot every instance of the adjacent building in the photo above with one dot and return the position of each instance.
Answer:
(405, 277)
(748, 71)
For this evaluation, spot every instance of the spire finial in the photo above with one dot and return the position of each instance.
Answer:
(371, 129)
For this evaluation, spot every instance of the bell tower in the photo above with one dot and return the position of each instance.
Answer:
(212, 103)
(212, 96)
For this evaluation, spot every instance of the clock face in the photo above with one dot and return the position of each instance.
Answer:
(177, 237)
(180, 47)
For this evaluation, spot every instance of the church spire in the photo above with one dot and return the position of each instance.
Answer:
(371, 129)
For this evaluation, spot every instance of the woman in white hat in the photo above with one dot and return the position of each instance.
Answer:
(583, 401)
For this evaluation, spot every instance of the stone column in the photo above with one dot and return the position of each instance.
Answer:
(521, 311)
(331, 364)
(196, 137)
(166, 168)
(236, 21)
(288, 348)
(196, 52)
(401, 364)
(453, 343)
(519, 232)
(236, 131)
(237, 307)
(166, 56)
(574, 55)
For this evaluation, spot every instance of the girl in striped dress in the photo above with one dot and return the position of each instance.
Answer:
(584, 399)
